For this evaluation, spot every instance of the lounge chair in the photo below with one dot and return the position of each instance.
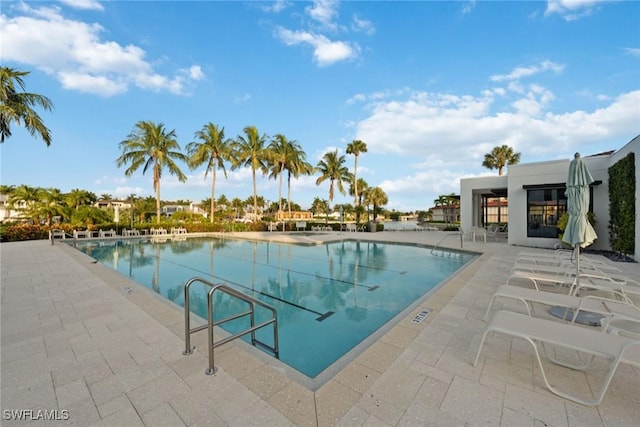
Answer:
(574, 304)
(596, 343)
(492, 231)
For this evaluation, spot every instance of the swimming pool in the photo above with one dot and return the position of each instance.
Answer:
(329, 297)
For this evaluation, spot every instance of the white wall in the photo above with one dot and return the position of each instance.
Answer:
(555, 172)
(470, 197)
(551, 172)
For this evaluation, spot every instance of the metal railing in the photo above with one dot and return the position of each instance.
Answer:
(459, 234)
(211, 323)
(58, 234)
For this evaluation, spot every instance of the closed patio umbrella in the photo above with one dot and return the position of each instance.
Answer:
(579, 233)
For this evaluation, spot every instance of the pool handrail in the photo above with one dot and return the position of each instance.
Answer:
(210, 323)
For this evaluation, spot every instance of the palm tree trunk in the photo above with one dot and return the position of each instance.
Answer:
(213, 194)
(255, 197)
(280, 188)
(355, 178)
(156, 183)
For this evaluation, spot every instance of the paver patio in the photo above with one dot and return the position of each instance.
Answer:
(84, 344)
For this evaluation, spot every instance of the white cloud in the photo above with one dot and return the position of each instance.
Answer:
(362, 25)
(522, 72)
(74, 52)
(123, 192)
(633, 51)
(83, 4)
(323, 11)
(242, 98)
(572, 10)
(275, 7)
(459, 129)
(468, 7)
(325, 51)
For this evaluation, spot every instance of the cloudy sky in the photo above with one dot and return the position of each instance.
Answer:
(429, 86)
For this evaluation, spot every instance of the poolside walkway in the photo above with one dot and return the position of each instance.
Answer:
(85, 345)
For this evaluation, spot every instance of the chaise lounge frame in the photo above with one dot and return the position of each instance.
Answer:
(568, 336)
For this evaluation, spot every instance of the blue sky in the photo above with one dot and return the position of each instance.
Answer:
(429, 86)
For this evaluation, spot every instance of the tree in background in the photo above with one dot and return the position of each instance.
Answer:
(332, 168)
(250, 151)
(213, 149)
(15, 106)
(151, 146)
(77, 197)
(356, 147)
(376, 197)
(501, 157)
(362, 187)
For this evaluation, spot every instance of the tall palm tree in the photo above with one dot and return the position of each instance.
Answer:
(76, 198)
(332, 167)
(250, 151)
(15, 107)
(105, 196)
(362, 186)
(213, 149)
(296, 166)
(377, 197)
(151, 146)
(288, 155)
(25, 198)
(52, 204)
(500, 157)
(281, 148)
(356, 147)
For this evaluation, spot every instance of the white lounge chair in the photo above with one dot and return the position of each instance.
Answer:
(492, 231)
(590, 303)
(596, 343)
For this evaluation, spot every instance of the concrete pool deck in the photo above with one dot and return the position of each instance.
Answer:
(83, 342)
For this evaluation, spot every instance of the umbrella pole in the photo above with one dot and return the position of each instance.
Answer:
(577, 255)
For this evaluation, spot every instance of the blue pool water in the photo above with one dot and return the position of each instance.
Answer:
(328, 297)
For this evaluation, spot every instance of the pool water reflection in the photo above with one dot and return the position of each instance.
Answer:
(328, 297)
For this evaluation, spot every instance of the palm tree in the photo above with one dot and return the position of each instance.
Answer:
(213, 150)
(281, 149)
(7, 189)
(25, 198)
(250, 151)
(332, 167)
(76, 198)
(377, 197)
(16, 106)
(289, 156)
(105, 196)
(151, 146)
(501, 157)
(52, 204)
(363, 186)
(356, 147)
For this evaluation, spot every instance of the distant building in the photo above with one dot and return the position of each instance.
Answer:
(295, 215)
(8, 212)
(102, 204)
(534, 193)
(169, 210)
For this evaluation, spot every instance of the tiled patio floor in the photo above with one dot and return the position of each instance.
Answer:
(75, 341)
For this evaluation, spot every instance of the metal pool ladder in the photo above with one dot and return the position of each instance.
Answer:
(459, 234)
(210, 323)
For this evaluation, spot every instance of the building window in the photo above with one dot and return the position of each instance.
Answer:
(544, 207)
